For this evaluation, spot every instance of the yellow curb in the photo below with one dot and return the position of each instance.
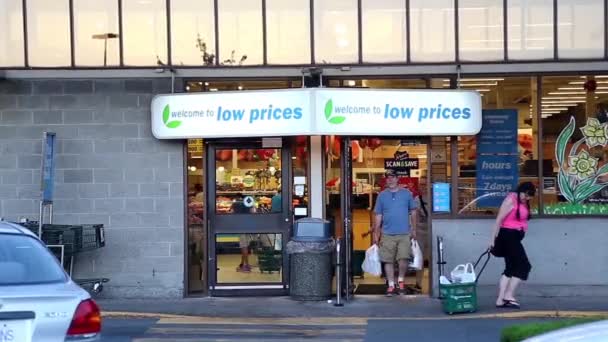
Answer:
(185, 319)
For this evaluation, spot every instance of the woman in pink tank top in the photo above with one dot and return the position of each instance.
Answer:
(509, 230)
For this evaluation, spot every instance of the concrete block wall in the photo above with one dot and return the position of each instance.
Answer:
(109, 170)
(567, 254)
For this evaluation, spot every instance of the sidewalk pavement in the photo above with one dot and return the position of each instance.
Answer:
(361, 306)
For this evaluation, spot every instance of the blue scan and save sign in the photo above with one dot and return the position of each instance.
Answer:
(316, 112)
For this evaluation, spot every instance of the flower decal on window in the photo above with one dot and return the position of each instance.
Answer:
(582, 165)
(596, 134)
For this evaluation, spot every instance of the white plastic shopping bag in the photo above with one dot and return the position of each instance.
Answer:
(463, 274)
(417, 254)
(372, 264)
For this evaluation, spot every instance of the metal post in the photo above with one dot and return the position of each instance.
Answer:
(105, 52)
(40, 218)
(51, 213)
(440, 263)
(338, 273)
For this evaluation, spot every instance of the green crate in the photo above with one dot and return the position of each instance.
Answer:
(456, 298)
(269, 260)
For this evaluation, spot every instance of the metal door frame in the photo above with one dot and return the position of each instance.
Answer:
(346, 176)
(279, 223)
(346, 189)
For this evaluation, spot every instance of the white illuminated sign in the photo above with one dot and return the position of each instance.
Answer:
(316, 112)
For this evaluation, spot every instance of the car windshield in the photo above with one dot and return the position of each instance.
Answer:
(24, 261)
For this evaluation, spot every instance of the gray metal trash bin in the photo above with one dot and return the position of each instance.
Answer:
(310, 253)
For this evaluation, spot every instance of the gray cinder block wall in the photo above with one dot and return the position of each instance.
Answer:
(109, 170)
(567, 254)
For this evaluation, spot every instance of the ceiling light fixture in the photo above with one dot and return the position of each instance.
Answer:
(567, 93)
(478, 84)
(558, 108)
(480, 79)
(564, 98)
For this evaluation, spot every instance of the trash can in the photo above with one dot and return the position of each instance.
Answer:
(310, 251)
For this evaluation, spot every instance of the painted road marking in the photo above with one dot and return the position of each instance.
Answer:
(335, 320)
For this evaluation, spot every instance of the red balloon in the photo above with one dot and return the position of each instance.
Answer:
(301, 140)
(223, 155)
(374, 143)
(301, 152)
(356, 149)
(337, 146)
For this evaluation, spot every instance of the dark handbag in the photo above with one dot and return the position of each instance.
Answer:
(498, 249)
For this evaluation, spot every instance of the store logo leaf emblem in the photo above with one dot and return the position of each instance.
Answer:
(329, 108)
(166, 115)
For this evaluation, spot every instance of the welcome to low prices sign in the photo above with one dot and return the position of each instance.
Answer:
(317, 111)
(397, 112)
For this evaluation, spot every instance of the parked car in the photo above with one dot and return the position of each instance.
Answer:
(587, 332)
(38, 300)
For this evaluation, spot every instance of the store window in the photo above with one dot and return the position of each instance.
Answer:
(11, 39)
(575, 145)
(193, 32)
(432, 37)
(336, 32)
(240, 32)
(48, 33)
(480, 28)
(384, 30)
(505, 152)
(288, 31)
(96, 36)
(530, 29)
(145, 32)
(580, 28)
(197, 229)
(248, 181)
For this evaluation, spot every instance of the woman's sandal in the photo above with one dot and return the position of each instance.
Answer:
(511, 304)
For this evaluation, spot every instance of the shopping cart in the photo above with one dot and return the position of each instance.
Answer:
(270, 257)
(66, 241)
(459, 297)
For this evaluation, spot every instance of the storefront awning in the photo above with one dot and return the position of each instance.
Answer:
(316, 111)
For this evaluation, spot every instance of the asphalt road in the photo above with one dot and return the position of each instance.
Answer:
(152, 330)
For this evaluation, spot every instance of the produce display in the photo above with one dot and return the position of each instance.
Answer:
(196, 212)
(258, 177)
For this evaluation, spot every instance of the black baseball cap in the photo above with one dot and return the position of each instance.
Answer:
(389, 173)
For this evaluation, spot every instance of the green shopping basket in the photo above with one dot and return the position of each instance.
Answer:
(462, 297)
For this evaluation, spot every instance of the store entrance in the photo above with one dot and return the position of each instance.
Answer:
(362, 162)
(249, 216)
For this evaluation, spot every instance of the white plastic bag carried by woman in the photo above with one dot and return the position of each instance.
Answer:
(372, 264)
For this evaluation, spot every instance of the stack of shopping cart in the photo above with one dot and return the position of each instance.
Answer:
(66, 241)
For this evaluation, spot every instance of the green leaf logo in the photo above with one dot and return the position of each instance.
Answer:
(336, 120)
(166, 116)
(329, 108)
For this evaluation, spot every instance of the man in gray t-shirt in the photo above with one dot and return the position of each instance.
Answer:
(392, 230)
